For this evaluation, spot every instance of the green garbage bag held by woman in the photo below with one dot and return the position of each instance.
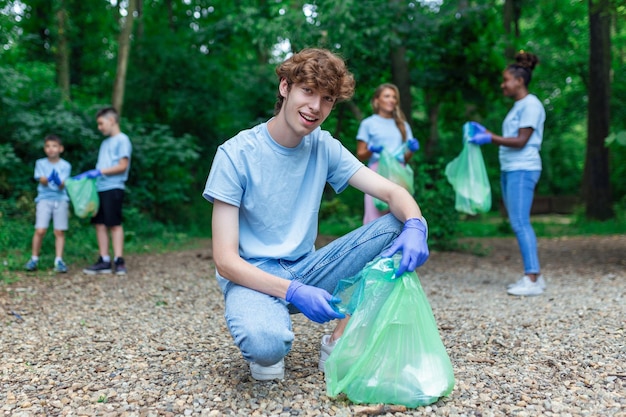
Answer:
(468, 176)
(391, 351)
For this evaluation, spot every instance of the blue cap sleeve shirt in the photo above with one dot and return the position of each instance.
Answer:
(278, 190)
(381, 131)
(527, 112)
(112, 150)
(43, 168)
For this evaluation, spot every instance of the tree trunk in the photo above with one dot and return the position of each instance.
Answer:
(512, 13)
(596, 180)
(63, 53)
(401, 78)
(122, 56)
(433, 105)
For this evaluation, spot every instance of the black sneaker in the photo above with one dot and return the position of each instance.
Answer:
(120, 268)
(100, 267)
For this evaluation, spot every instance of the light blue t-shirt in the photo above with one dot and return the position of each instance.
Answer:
(278, 190)
(43, 168)
(377, 130)
(527, 112)
(112, 150)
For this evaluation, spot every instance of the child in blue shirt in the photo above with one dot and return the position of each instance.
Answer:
(52, 202)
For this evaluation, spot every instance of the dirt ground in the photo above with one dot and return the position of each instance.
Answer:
(155, 342)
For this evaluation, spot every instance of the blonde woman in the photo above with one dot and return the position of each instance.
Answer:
(386, 129)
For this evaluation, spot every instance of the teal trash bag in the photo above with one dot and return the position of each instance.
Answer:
(84, 196)
(468, 176)
(390, 168)
(391, 351)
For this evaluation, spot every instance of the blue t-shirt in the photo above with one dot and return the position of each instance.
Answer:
(112, 150)
(527, 112)
(377, 130)
(278, 190)
(43, 168)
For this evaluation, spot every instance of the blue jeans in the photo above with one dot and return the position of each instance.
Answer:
(260, 324)
(518, 188)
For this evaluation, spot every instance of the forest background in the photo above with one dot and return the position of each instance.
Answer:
(187, 75)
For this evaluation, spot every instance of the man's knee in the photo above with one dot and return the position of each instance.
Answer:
(266, 346)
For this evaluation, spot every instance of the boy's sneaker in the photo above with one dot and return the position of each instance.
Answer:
(120, 268)
(60, 266)
(267, 373)
(540, 279)
(31, 265)
(526, 287)
(100, 267)
(325, 351)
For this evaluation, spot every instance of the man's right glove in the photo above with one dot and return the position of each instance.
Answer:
(313, 302)
(412, 243)
(375, 148)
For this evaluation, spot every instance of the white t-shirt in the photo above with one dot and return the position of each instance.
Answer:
(527, 112)
(278, 190)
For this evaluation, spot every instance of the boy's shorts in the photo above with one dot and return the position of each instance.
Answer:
(110, 211)
(56, 210)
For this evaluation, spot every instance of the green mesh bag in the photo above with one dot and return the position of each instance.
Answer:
(84, 196)
(468, 176)
(391, 351)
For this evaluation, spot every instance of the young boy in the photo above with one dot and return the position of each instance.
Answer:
(111, 172)
(266, 185)
(52, 202)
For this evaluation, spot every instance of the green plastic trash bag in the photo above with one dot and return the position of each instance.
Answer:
(468, 176)
(390, 168)
(391, 351)
(84, 196)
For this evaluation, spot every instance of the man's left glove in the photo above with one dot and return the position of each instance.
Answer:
(92, 173)
(413, 244)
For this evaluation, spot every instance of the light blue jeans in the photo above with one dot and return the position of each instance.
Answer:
(260, 324)
(518, 189)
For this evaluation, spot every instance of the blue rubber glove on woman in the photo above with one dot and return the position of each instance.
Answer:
(481, 135)
(92, 173)
(413, 244)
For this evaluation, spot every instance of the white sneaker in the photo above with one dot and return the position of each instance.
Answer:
(526, 287)
(267, 373)
(540, 279)
(325, 351)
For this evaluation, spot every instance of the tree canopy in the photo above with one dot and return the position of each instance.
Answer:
(198, 71)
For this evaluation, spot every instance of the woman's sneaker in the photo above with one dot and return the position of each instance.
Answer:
(540, 279)
(267, 373)
(526, 287)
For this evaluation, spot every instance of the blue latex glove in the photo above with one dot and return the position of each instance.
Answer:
(313, 302)
(412, 243)
(375, 148)
(478, 128)
(54, 178)
(413, 144)
(92, 173)
(480, 138)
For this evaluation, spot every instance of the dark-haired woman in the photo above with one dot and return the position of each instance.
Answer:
(520, 164)
(386, 129)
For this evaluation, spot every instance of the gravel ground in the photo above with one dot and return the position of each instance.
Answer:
(155, 343)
